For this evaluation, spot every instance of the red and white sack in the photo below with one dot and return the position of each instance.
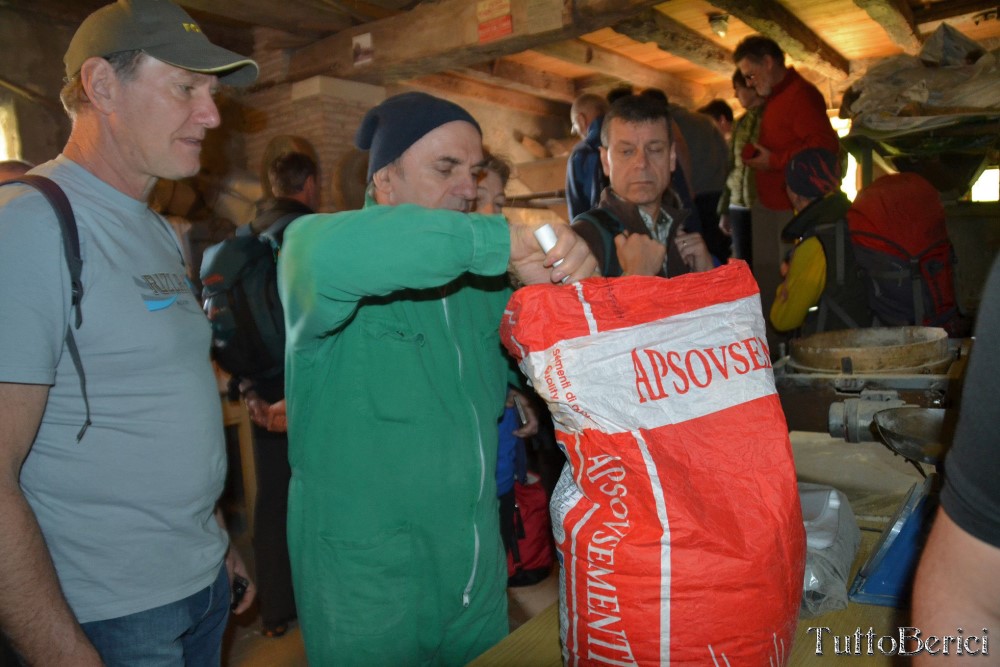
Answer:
(677, 519)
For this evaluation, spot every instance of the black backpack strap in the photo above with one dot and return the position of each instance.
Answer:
(277, 228)
(917, 291)
(826, 304)
(71, 247)
(609, 227)
(840, 239)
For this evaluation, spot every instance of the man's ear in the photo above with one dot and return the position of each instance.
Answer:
(673, 157)
(100, 83)
(383, 185)
(604, 161)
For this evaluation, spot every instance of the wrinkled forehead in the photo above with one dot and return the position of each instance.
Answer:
(653, 129)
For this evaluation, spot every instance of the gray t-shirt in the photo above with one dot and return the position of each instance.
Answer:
(127, 513)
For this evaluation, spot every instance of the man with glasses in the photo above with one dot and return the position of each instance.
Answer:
(794, 118)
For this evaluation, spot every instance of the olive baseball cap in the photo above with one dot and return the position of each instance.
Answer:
(162, 30)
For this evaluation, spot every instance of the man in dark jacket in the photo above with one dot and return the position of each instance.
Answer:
(822, 270)
(292, 177)
(584, 176)
(637, 228)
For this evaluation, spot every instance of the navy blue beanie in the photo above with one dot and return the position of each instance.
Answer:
(402, 120)
(813, 173)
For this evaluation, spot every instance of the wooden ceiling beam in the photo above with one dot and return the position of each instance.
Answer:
(940, 11)
(677, 39)
(605, 62)
(803, 45)
(522, 78)
(441, 36)
(601, 84)
(309, 17)
(362, 11)
(451, 84)
(896, 18)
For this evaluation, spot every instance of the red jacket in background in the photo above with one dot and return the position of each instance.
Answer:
(794, 118)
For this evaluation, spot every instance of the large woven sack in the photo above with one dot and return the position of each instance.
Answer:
(677, 518)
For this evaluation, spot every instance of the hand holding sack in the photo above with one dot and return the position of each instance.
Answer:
(677, 519)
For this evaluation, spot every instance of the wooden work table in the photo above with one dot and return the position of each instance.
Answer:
(536, 643)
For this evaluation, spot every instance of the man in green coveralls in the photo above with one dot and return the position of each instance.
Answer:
(395, 382)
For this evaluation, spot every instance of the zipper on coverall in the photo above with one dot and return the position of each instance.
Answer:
(466, 594)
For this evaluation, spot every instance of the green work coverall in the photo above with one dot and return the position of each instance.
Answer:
(395, 381)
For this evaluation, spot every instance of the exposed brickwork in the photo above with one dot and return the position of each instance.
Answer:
(327, 121)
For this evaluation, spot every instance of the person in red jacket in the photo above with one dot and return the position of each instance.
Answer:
(794, 118)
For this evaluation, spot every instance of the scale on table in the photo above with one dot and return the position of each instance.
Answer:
(917, 435)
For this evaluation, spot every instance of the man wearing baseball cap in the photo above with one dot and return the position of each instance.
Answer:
(111, 547)
(395, 382)
(822, 270)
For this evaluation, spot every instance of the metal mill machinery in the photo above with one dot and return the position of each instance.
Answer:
(837, 381)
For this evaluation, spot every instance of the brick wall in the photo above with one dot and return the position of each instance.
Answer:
(323, 110)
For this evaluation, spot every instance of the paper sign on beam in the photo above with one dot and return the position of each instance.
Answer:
(494, 20)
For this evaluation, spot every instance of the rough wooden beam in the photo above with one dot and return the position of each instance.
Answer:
(940, 11)
(440, 36)
(450, 85)
(600, 84)
(677, 39)
(362, 11)
(606, 62)
(772, 20)
(312, 17)
(272, 39)
(32, 96)
(896, 17)
(522, 78)
(64, 13)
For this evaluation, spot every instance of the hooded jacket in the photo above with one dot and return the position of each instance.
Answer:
(827, 275)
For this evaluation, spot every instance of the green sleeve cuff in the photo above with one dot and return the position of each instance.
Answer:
(490, 244)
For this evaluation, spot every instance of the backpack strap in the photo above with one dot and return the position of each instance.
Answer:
(278, 226)
(826, 304)
(609, 227)
(928, 270)
(840, 241)
(71, 248)
(916, 285)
